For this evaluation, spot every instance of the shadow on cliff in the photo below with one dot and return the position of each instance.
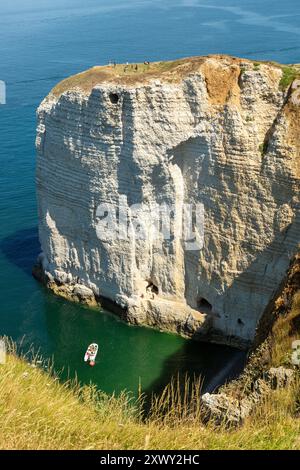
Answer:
(22, 248)
(218, 364)
(250, 289)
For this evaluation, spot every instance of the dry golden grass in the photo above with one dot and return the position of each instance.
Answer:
(285, 331)
(127, 74)
(225, 70)
(38, 412)
(223, 74)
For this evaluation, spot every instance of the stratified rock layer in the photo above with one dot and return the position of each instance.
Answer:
(217, 131)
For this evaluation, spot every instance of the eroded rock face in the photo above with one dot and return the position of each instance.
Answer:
(225, 409)
(224, 135)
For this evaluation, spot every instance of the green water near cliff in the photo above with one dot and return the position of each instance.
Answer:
(61, 330)
(44, 42)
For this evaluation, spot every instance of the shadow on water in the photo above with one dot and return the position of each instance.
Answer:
(65, 321)
(22, 248)
(216, 364)
(213, 364)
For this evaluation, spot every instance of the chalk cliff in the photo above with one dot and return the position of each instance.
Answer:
(217, 131)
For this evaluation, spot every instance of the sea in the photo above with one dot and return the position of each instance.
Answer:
(42, 42)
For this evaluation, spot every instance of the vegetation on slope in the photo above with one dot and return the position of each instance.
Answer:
(38, 412)
(169, 71)
(289, 74)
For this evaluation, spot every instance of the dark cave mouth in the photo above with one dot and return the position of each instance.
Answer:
(204, 305)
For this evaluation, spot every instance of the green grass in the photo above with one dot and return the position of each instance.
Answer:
(290, 73)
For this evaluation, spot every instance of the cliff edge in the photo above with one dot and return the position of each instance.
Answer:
(214, 132)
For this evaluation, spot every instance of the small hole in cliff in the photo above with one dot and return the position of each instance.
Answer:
(152, 288)
(204, 305)
(114, 98)
(240, 322)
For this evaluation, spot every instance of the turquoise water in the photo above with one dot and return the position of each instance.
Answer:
(42, 42)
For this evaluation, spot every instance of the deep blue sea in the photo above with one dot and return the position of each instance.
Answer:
(43, 41)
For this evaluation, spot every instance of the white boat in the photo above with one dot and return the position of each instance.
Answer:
(91, 353)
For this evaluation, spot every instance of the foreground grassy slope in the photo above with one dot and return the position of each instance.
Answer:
(38, 412)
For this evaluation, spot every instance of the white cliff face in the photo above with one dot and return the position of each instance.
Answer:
(225, 136)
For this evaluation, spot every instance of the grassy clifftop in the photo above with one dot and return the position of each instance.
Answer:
(38, 412)
(169, 71)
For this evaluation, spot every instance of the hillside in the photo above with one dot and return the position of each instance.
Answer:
(38, 412)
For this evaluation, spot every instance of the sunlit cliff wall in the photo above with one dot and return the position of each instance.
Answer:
(217, 131)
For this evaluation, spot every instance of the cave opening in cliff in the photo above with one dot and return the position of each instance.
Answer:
(114, 98)
(204, 305)
(152, 288)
